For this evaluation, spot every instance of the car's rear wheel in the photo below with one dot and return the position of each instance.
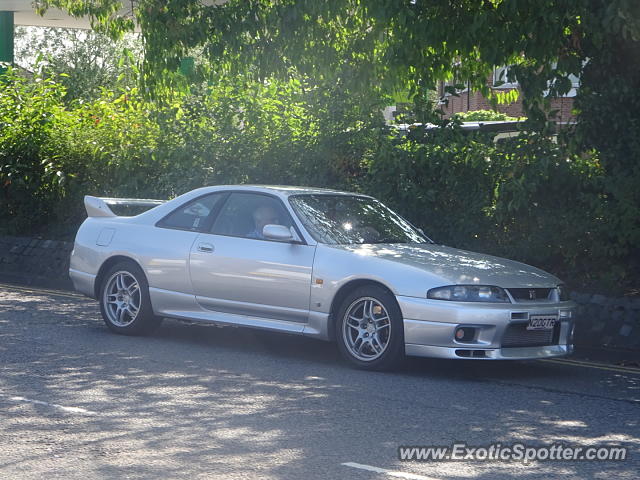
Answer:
(124, 300)
(369, 331)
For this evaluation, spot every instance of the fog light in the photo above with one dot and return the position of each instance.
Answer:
(565, 313)
(465, 334)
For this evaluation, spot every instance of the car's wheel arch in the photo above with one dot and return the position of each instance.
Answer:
(342, 293)
(106, 265)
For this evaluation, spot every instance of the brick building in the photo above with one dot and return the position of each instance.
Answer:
(469, 100)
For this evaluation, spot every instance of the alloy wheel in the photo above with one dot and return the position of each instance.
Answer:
(122, 299)
(366, 329)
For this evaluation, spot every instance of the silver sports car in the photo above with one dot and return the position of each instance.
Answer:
(321, 263)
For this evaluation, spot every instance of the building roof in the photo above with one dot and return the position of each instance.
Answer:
(25, 14)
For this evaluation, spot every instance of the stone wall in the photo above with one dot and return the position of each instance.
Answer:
(34, 261)
(607, 322)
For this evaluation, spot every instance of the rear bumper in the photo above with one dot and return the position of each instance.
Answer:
(83, 282)
(430, 326)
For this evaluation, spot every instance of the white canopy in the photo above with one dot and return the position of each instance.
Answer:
(25, 14)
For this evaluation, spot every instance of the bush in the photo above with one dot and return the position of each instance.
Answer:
(121, 145)
(32, 153)
(443, 185)
(484, 115)
(526, 199)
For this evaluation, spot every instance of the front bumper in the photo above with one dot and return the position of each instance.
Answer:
(514, 353)
(430, 325)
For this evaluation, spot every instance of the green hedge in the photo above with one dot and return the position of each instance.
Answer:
(527, 198)
(484, 115)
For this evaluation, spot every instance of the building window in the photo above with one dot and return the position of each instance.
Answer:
(504, 77)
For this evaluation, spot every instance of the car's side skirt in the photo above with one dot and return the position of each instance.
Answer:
(183, 306)
(252, 309)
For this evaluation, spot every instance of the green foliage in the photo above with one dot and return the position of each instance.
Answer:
(609, 123)
(485, 115)
(546, 209)
(51, 153)
(120, 144)
(526, 198)
(32, 177)
(385, 46)
(85, 62)
(380, 45)
(442, 185)
(270, 132)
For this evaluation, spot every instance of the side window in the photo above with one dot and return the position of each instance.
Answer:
(246, 214)
(192, 215)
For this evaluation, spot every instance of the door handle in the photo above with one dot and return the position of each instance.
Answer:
(205, 247)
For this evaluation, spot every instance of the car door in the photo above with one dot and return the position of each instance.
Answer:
(234, 269)
(166, 250)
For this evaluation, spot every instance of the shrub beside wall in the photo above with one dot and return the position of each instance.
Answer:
(526, 198)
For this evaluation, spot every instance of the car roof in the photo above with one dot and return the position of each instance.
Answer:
(282, 191)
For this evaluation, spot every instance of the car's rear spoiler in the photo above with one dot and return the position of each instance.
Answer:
(99, 206)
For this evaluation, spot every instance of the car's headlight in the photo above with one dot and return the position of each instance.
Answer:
(469, 293)
(563, 293)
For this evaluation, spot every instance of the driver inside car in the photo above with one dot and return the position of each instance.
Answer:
(262, 216)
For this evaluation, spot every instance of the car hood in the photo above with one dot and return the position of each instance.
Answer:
(455, 266)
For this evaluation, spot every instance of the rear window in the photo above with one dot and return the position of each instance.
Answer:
(192, 215)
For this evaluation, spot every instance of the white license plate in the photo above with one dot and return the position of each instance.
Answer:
(541, 322)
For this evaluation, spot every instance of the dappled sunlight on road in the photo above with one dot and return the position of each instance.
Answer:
(204, 401)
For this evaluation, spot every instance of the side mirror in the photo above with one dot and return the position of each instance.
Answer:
(279, 233)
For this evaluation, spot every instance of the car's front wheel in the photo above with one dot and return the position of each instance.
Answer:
(370, 332)
(124, 300)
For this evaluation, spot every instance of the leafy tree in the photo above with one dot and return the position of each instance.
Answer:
(87, 62)
(368, 43)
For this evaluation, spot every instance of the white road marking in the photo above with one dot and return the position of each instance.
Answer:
(390, 473)
(54, 405)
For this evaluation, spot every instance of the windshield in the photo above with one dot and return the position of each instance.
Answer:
(351, 219)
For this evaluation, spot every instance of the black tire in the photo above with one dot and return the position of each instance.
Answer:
(121, 320)
(392, 355)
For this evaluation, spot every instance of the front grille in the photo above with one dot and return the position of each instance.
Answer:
(517, 335)
(530, 294)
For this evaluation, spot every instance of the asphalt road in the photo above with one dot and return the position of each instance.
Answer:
(194, 401)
